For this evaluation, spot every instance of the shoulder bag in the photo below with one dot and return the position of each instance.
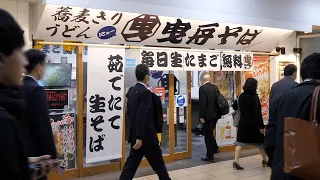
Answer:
(236, 116)
(302, 144)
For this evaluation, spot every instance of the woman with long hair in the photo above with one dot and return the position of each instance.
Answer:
(251, 127)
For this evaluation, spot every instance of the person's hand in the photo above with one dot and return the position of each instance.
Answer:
(202, 120)
(138, 144)
(262, 131)
(45, 166)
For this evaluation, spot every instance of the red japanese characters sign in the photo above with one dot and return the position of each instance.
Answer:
(160, 91)
(57, 98)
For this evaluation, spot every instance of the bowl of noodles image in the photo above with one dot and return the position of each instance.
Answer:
(263, 90)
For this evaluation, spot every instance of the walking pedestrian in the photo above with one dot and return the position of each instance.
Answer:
(143, 134)
(251, 127)
(209, 114)
(296, 104)
(37, 120)
(279, 88)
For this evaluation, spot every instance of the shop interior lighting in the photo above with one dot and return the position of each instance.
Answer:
(282, 50)
(297, 50)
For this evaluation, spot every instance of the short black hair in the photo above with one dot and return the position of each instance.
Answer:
(11, 35)
(310, 67)
(250, 85)
(141, 71)
(290, 69)
(34, 57)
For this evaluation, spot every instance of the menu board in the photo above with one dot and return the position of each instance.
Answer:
(281, 66)
(63, 128)
(57, 98)
(261, 74)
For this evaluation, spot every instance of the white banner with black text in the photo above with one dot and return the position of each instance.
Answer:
(169, 59)
(105, 86)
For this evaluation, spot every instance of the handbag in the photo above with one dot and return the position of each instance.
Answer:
(236, 116)
(302, 144)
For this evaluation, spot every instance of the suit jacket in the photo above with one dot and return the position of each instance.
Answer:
(208, 105)
(281, 87)
(140, 114)
(296, 103)
(277, 90)
(37, 121)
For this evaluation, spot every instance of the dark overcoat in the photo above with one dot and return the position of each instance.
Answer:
(296, 103)
(251, 119)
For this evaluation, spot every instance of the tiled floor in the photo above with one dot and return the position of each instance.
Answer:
(221, 171)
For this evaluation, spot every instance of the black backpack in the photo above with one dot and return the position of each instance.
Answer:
(222, 103)
(157, 112)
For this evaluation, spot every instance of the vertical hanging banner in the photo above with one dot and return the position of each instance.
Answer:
(236, 62)
(105, 103)
(261, 73)
(166, 59)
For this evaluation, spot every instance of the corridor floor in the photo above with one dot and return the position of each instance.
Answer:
(221, 171)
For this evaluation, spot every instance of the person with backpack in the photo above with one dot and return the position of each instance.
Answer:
(145, 117)
(211, 106)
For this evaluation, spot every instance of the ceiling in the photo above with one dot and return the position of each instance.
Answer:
(30, 1)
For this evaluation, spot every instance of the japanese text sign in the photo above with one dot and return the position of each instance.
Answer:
(194, 60)
(99, 26)
(105, 103)
(57, 98)
(236, 62)
(63, 129)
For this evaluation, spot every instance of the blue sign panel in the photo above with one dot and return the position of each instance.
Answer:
(180, 100)
(130, 62)
(107, 32)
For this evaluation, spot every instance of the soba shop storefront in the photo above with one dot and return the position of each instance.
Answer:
(93, 54)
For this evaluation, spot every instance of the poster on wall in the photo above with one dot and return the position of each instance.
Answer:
(167, 59)
(226, 133)
(281, 66)
(261, 73)
(102, 26)
(63, 128)
(105, 103)
(225, 81)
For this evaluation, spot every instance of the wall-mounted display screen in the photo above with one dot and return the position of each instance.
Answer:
(57, 75)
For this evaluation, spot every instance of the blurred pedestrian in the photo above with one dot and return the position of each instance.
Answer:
(251, 127)
(37, 120)
(296, 104)
(14, 151)
(279, 88)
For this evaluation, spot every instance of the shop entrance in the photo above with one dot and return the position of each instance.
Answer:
(174, 88)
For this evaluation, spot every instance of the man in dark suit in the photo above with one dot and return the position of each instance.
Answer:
(295, 103)
(143, 135)
(209, 114)
(277, 90)
(37, 121)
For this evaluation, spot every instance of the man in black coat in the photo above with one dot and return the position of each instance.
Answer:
(37, 121)
(143, 135)
(296, 103)
(209, 114)
(277, 90)
(14, 151)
